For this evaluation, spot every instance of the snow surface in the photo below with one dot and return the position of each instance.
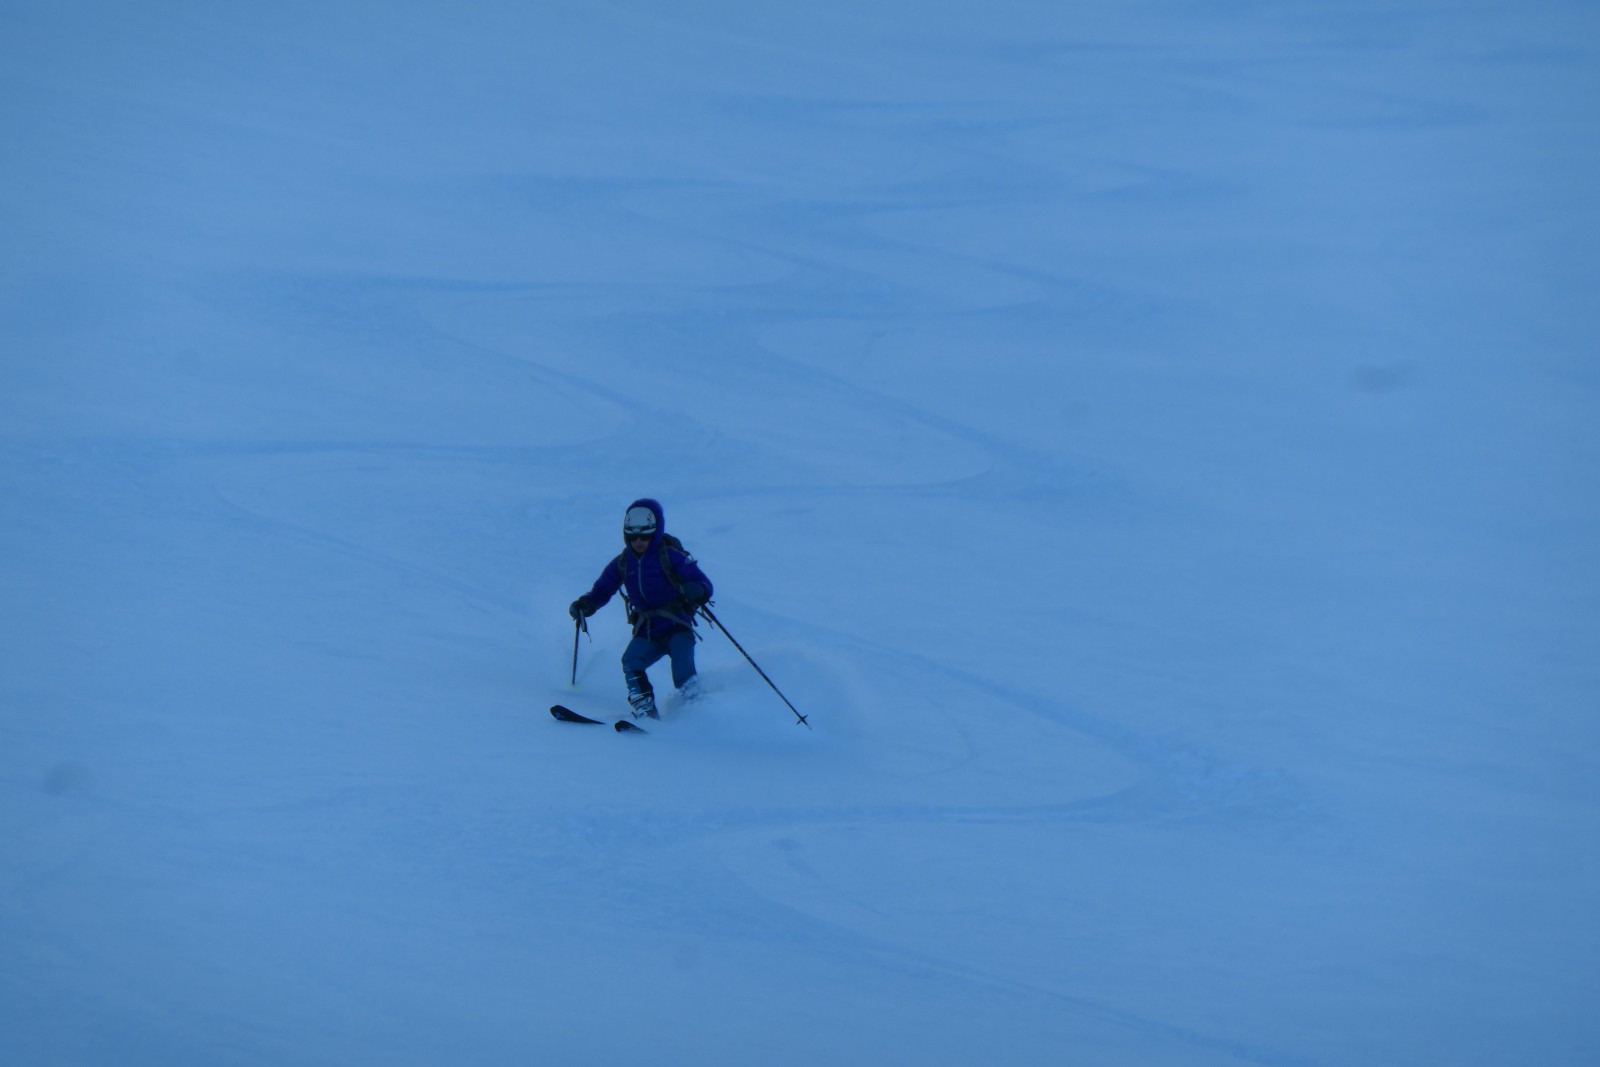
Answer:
(1155, 442)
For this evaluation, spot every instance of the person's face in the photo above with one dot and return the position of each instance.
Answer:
(639, 542)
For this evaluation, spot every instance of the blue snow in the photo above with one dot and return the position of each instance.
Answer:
(1154, 443)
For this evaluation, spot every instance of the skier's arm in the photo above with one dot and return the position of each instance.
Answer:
(604, 588)
(696, 587)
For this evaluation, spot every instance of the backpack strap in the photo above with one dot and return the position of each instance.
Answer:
(622, 582)
(669, 570)
(670, 616)
(677, 584)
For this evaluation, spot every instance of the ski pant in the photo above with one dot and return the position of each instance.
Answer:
(643, 651)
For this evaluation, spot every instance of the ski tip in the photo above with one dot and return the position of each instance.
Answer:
(565, 714)
(623, 726)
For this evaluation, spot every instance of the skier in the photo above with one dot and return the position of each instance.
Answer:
(663, 587)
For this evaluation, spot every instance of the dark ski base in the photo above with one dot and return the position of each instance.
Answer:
(622, 726)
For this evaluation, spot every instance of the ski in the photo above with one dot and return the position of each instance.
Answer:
(565, 714)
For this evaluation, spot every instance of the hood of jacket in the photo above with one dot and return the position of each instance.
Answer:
(655, 509)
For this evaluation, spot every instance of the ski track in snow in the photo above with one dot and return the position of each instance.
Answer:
(1177, 783)
(292, 493)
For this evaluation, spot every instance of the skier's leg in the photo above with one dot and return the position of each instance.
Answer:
(680, 646)
(639, 655)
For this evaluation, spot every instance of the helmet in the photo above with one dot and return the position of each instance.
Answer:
(640, 521)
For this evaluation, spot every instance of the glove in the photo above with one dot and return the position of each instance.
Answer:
(580, 609)
(694, 594)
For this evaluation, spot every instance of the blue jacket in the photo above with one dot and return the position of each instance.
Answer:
(653, 599)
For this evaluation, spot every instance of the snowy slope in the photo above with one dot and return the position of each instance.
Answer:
(1154, 443)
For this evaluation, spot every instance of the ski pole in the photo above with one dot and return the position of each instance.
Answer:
(578, 626)
(706, 611)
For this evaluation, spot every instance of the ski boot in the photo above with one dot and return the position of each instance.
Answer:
(641, 697)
